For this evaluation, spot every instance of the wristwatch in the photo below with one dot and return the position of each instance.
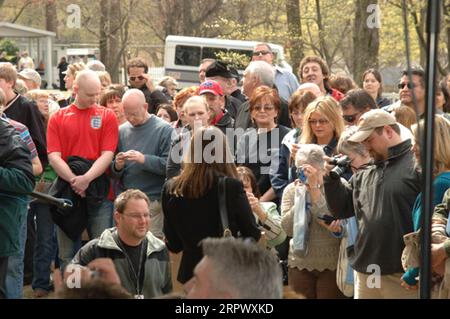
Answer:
(318, 186)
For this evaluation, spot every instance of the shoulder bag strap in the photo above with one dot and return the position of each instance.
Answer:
(222, 195)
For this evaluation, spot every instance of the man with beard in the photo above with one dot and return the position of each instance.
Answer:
(381, 198)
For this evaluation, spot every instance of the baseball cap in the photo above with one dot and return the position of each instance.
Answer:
(210, 87)
(30, 74)
(369, 122)
(218, 68)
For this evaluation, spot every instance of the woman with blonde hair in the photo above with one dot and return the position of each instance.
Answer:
(441, 173)
(69, 79)
(190, 201)
(322, 122)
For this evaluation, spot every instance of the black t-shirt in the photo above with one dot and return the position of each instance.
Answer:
(134, 253)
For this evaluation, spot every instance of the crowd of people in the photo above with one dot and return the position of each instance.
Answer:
(317, 180)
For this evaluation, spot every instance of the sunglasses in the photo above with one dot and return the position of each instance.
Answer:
(409, 85)
(320, 121)
(259, 108)
(134, 78)
(260, 53)
(350, 118)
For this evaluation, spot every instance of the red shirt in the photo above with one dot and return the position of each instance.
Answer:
(85, 133)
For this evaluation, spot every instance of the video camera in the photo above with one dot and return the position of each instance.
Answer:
(342, 163)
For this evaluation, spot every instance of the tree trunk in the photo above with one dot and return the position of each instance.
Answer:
(448, 48)
(295, 42)
(51, 21)
(366, 40)
(112, 62)
(322, 43)
(104, 26)
(187, 19)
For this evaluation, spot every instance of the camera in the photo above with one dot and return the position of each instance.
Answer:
(342, 163)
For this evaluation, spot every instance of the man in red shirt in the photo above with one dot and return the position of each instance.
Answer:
(89, 131)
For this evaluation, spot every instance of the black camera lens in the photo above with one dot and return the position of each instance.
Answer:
(341, 163)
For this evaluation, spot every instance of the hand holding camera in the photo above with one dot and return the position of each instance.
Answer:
(337, 165)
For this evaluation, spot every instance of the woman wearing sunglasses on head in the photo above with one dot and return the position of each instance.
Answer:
(259, 148)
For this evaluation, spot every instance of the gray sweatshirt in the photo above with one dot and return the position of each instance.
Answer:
(152, 139)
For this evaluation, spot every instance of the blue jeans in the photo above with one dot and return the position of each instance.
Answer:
(45, 246)
(99, 219)
(14, 275)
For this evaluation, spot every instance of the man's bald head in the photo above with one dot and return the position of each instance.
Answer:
(87, 78)
(135, 107)
(133, 95)
(87, 88)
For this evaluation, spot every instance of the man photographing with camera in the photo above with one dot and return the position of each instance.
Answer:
(381, 197)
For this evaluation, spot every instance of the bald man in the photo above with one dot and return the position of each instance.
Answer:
(90, 132)
(140, 162)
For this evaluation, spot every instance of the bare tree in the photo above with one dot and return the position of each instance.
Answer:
(180, 17)
(295, 38)
(51, 18)
(417, 10)
(366, 40)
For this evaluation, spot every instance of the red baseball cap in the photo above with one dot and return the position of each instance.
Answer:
(212, 87)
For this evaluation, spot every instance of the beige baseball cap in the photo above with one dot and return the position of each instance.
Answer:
(369, 122)
(30, 74)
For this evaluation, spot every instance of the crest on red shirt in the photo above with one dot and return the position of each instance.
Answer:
(96, 122)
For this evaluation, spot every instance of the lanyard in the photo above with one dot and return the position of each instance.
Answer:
(140, 274)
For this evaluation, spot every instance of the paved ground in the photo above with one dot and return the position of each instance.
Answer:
(28, 293)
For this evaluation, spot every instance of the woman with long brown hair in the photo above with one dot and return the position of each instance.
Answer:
(190, 201)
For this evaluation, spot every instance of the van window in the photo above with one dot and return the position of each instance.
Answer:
(187, 55)
(212, 53)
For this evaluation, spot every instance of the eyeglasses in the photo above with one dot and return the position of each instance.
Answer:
(133, 78)
(320, 121)
(260, 53)
(402, 85)
(137, 216)
(259, 108)
(350, 118)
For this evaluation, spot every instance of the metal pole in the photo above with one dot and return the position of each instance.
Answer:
(428, 147)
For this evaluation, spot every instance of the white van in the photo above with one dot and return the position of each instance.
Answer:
(182, 55)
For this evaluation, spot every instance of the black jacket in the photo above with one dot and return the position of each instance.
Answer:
(74, 220)
(153, 99)
(188, 221)
(381, 198)
(26, 112)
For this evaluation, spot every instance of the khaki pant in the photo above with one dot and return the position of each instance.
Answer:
(389, 287)
(156, 219)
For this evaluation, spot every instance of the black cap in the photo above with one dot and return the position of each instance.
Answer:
(219, 68)
(234, 73)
